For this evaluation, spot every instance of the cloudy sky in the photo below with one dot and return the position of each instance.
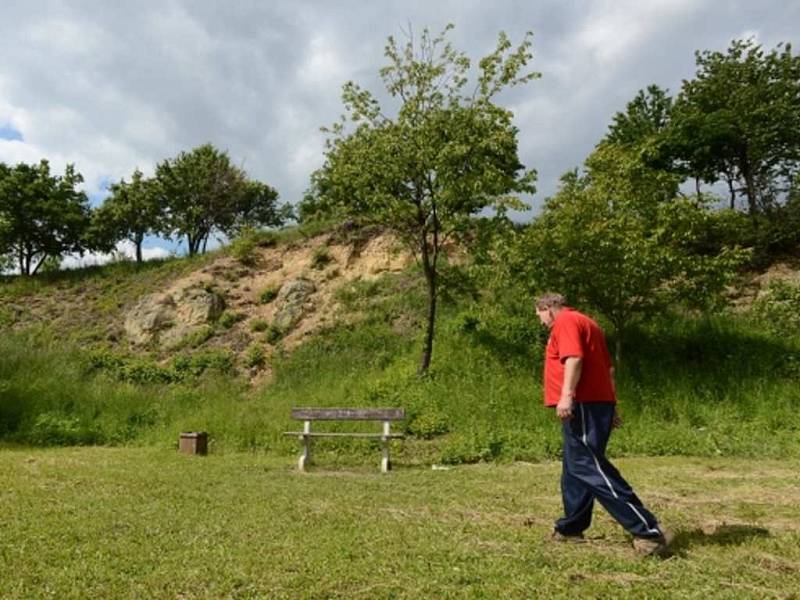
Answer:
(115, 86)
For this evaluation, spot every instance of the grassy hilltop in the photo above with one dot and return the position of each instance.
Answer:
(723, 384)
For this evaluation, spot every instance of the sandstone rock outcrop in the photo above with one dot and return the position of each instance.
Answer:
(170, 317)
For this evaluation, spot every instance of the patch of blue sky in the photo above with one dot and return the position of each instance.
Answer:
(9, 132)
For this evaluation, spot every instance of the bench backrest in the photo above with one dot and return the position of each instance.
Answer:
(348, 414)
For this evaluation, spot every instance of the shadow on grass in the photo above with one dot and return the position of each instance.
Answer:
(724, 535)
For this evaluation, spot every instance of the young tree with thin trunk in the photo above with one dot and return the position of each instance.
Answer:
(446, 154)
(131, 212)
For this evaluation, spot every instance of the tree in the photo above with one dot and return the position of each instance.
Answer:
(443, 157)
(647, 115)
(610, 239)
(203, 192)
(131, 212)
(258, 207)
(41, 215)
(738, 120)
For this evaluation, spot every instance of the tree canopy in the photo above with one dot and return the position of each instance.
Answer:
(738, 120)
(131, 212)
(41, 215)
(447, 152)
(203, 192)
(616, 239)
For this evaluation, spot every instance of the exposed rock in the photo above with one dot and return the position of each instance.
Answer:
(292, 302)
(148, 317)
(197, 306)
(169, 318)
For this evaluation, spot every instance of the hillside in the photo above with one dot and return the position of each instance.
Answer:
(282, 293)
(126, 355)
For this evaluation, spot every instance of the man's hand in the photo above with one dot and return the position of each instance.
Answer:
(564, 408)
(616, 420)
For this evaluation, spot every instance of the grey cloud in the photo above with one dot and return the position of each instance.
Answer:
(114, 87)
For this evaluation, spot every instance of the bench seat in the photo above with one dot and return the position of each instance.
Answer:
(308, 415)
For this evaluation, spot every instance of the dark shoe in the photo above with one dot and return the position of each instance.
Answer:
(557, 536)
(657, 546)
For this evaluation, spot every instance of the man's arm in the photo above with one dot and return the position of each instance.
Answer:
(572, 374)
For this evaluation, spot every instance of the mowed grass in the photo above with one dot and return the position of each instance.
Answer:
(150, 523)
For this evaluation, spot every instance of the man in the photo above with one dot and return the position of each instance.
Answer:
(579, 383)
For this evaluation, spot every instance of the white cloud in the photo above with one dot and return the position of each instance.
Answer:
(125, 250)
(112, 87)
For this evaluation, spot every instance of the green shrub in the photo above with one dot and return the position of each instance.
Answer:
(254, 357)
(428, 424)
(229, 319)
(321, 257)
(243, 248)
(258, 325)
(196, 338)
(272, 334)
(778, 307)
(59, 429)
(269, 294)
(195, 365)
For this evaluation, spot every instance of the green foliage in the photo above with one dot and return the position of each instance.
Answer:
(254, 357)
(131, 212)
(646, 117)
(203, 192)
(58, 429)
(41, 215)
(229, 319)
(777, 308)
(243, 249)
(321, 257)
(140, 370)
(272, 334)
(258, 325)
(269, 294)
(738, 121)
(616, 241)
(244, 246)
(446, 155)
(196, 338)
(428, 424)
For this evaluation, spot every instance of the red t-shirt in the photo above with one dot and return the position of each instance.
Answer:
(575, 334)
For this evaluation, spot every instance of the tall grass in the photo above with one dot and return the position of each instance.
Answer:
(704, 386)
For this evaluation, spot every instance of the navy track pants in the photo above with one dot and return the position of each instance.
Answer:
(588, 475)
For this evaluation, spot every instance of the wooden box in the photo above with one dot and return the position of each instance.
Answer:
(193, 442)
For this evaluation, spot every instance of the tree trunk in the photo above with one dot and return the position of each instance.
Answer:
(697, 185)
(429, 268)
(619, 331)
(191, 244)
(750, 186)
(732, 192)
(138, 241)
(39, 264)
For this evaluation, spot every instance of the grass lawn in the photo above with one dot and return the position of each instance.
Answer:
(149, 523)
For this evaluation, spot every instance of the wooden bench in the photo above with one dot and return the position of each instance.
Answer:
(307, 415)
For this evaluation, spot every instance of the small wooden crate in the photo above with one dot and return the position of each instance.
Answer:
(193, 442)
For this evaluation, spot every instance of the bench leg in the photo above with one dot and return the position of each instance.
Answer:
(386, 464)
(305, 457)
